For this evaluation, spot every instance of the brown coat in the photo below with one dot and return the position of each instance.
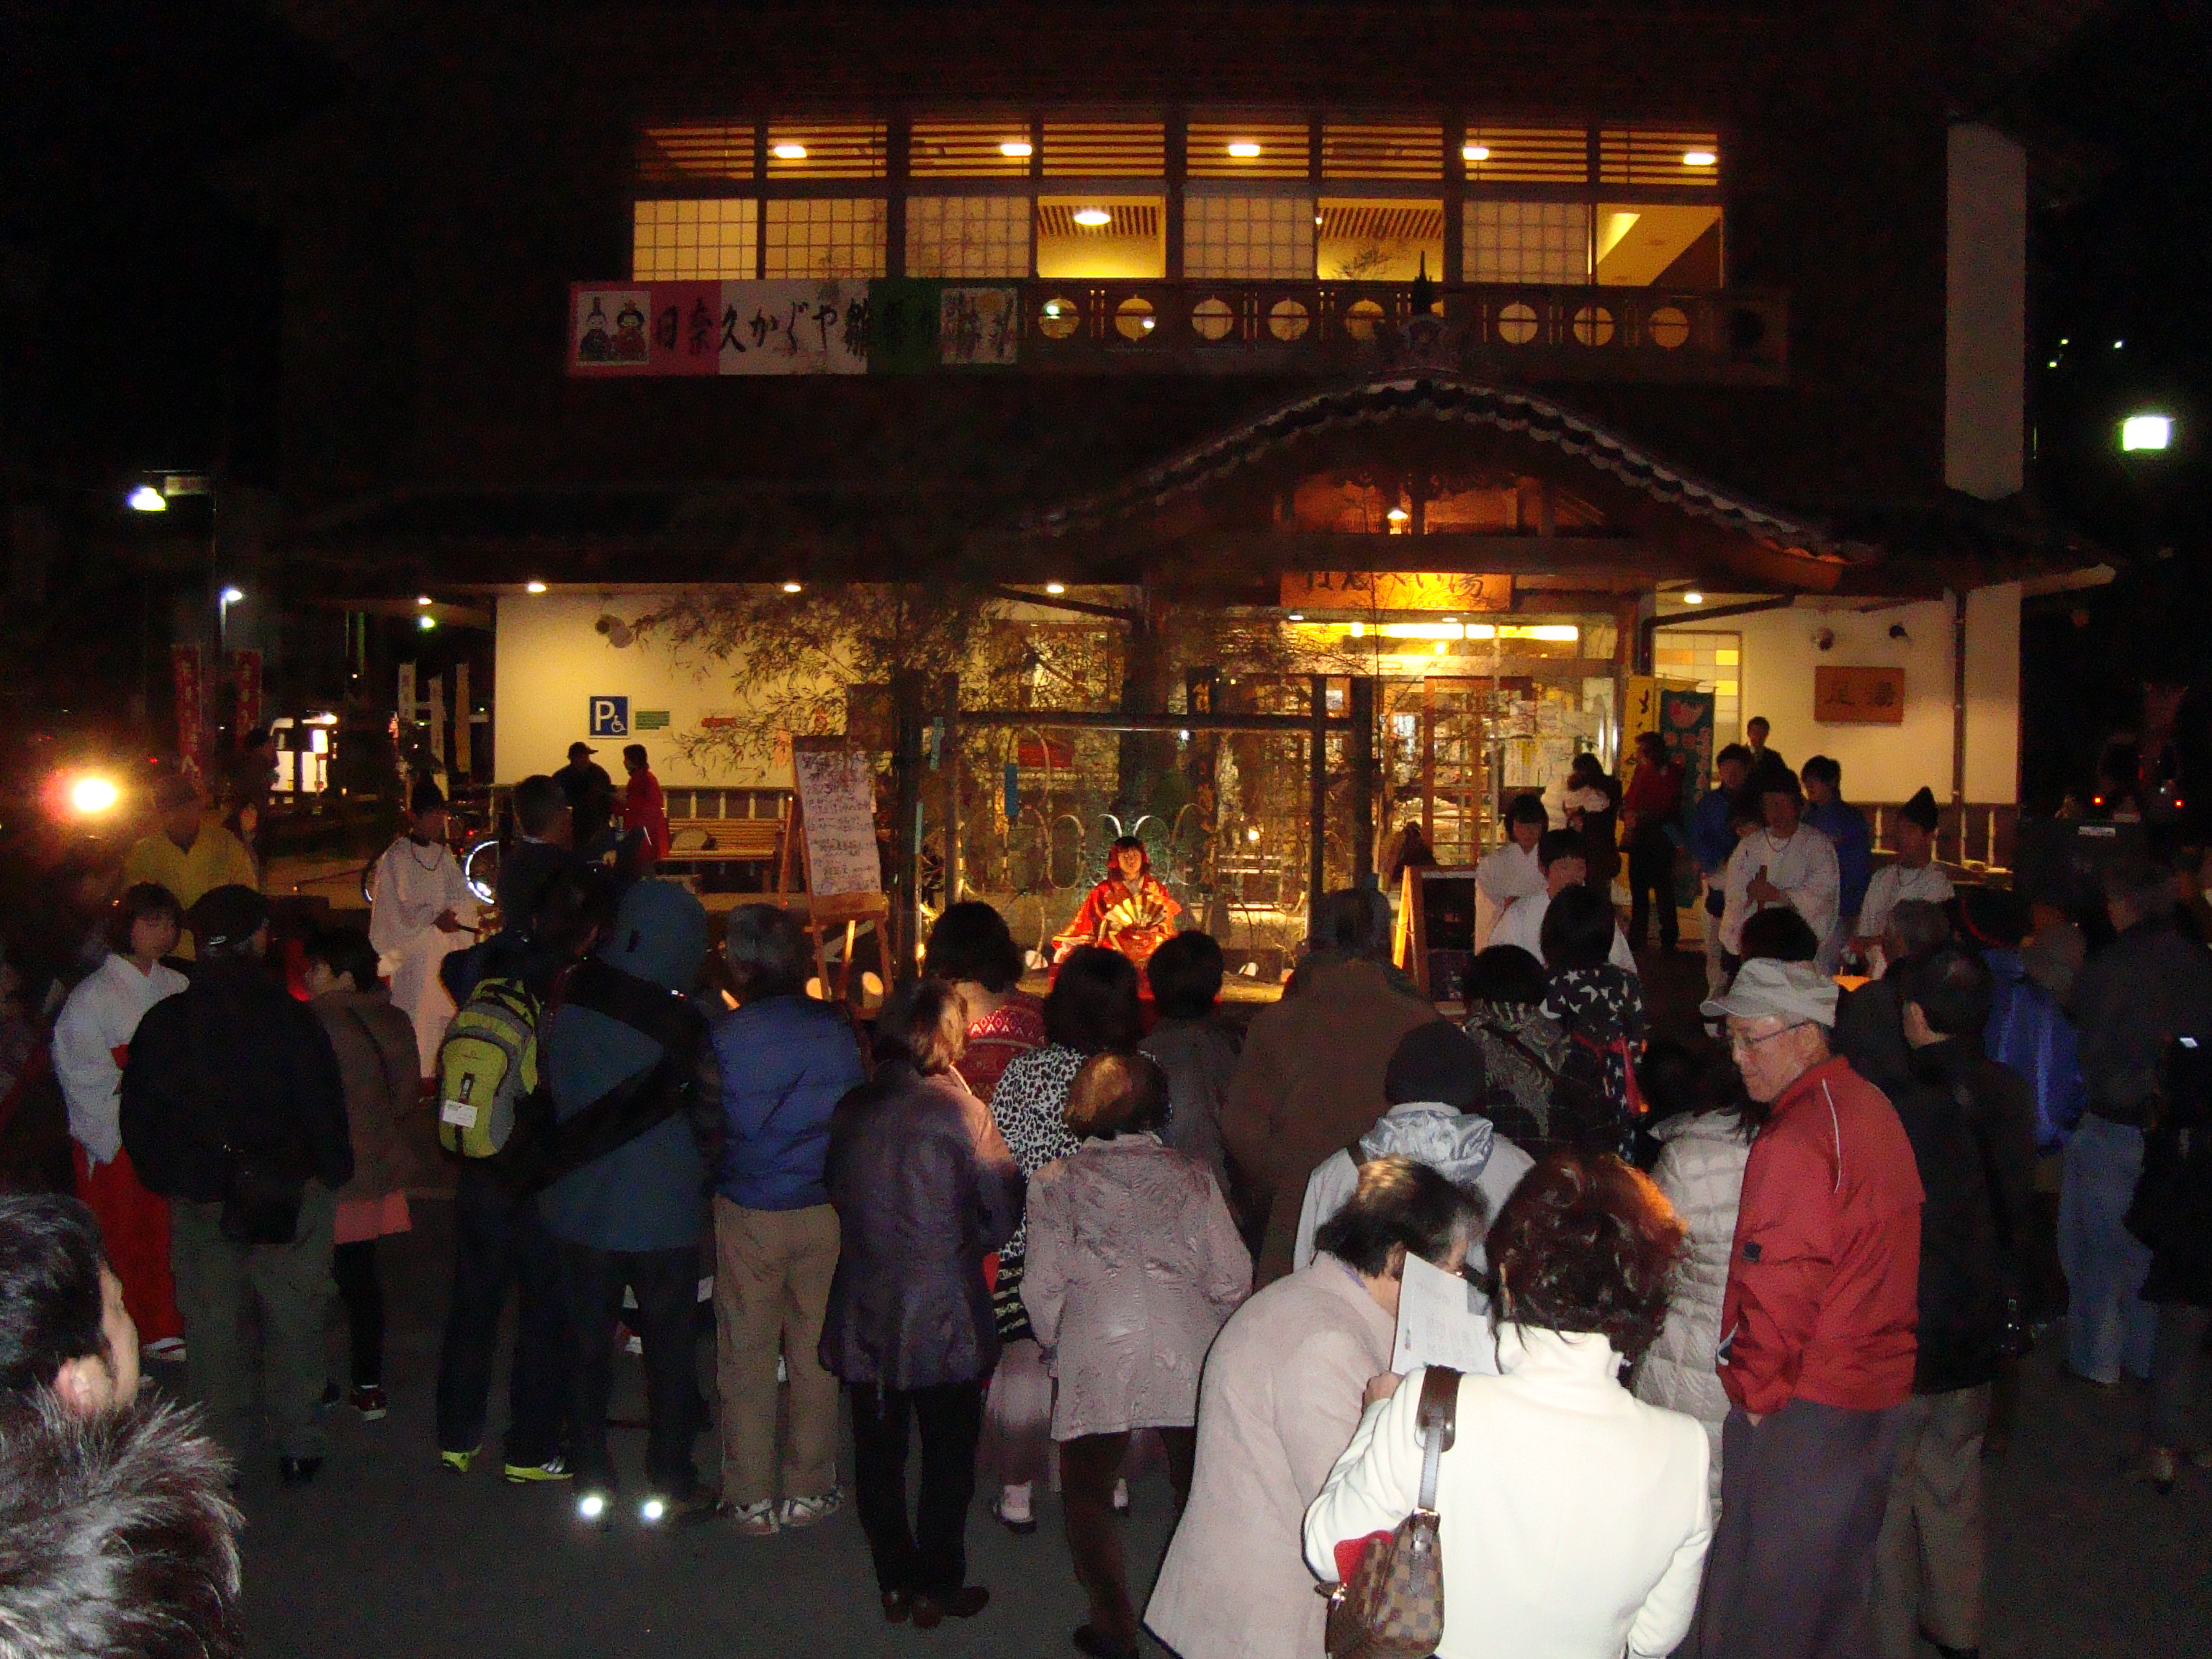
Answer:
(376, 1046)
(1309, 1083)
(1280, 1399)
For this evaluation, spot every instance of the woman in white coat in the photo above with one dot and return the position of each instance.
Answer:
(1279, 1399)
(420, 912)
(92, 1037)
(1573, 1516)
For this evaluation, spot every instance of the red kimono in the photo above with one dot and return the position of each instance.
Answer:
(1136, 921)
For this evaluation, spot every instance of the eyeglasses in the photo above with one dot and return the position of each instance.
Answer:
(1739, 1044)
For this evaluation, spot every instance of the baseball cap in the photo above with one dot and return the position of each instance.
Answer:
(1793, 991)
(224, 915)
(576, 749)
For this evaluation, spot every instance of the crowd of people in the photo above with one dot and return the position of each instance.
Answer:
(1753, 1292)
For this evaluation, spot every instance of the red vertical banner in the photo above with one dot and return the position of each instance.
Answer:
(191, 709)
(246, 670)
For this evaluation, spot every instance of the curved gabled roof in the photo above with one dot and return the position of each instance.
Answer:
(1437, 395)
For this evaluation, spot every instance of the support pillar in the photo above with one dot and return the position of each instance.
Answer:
(1359, 751)
(1317, 779)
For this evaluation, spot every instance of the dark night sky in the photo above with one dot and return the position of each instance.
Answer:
(140, 299)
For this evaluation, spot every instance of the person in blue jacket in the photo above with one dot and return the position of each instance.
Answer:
(1843, 824)
(784, 1060)
(1712, 842)
(632, 1217)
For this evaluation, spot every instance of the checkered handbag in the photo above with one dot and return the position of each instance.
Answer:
(1391, 1605)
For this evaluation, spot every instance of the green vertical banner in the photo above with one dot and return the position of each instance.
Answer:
(903, 314)
(1685, 727)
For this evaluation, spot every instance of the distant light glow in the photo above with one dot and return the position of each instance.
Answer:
(1475, 153)
(789, 152)
(423, 598)
(1700, 158)
(146, 499)
(2116, 344)
(230, 596)
(90, 794)
(651, 1510)
(792, 587)
(1093, 217)
(1298, 616)
(426, 623)
(1055, 587)
(533, 588)
(1015, 147)
(1693, 598)
(1397, 515)
(1244, 150)
(2146, 432)
(591, 1505)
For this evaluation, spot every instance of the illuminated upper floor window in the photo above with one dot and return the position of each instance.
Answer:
(1105, 149)
(1679, 158)
(1411, 150)
(982, 148)
(1525, 155)
(825, 149)
(1230, 148)
(691, 154)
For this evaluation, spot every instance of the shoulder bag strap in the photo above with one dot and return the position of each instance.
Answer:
(1439, 1423)
(1522, 1050)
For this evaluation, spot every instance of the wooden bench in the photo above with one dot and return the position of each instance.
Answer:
(720, 840)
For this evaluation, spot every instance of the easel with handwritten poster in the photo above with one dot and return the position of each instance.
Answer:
(833, 837)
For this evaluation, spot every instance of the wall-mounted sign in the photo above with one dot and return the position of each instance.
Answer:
(1859, 696)
(610, 717)
(1395, 590)
(811, 326)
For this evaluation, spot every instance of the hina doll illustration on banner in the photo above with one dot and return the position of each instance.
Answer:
(1130, 911)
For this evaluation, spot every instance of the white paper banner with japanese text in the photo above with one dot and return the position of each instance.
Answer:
(814, 325)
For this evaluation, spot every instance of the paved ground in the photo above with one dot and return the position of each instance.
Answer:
(386, 1554)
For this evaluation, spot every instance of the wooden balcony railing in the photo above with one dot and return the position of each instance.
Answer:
(1737, 337)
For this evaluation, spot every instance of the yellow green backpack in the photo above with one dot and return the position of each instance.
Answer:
(487, 1061)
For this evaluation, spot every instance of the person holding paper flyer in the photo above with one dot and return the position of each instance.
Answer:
(1552, 1451)
(1280, 1398)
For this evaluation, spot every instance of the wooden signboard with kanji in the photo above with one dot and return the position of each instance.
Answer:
(1394, 590)
(1858, 697)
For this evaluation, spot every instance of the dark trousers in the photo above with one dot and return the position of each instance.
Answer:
(1652, 876)
(354, 1267)
(1088, 1468)
(1790, 1573)
(666, 1320)
(498, 1244)
(929, 1555)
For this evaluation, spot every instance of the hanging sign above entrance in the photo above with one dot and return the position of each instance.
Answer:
(1395, 590)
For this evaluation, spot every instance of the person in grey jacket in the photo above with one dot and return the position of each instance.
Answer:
(924, 1187)
(1433, 1084)
(1193, 1045)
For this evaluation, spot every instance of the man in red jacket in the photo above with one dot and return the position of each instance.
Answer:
(1817, 1344)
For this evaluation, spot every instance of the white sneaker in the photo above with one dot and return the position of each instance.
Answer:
(800, 1512)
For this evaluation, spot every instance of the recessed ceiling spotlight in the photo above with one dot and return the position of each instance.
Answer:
(1093, 217)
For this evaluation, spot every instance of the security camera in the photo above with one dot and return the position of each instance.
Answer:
(1897, 632)
(1825, 638)
(616, 630)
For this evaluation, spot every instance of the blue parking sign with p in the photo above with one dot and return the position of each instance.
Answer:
(610, 717)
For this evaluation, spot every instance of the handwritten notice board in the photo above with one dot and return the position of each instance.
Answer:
(837, 802)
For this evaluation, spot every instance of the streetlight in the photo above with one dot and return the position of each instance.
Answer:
(223, 601)
(146, 499)
(2146, 431)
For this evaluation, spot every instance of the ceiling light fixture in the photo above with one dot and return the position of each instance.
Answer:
(1244, 150)
(1055, 587)
(1016, 146)
(2147, 432)
(1093, 217)
(1693, 598)
(1397, 515)
(1475, 153)
(533, 588)
(789, 152)
(791, 587)
(1700, 158)
(422, 598)
(1298, 616)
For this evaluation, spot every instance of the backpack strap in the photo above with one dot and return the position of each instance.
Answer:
(1437, 1418)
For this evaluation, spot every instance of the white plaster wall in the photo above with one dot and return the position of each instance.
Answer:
(551, 661)
(1879, 762)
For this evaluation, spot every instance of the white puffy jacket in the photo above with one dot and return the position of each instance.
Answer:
(1701, 1172)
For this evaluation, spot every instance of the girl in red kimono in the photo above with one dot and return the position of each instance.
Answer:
(1130, 911)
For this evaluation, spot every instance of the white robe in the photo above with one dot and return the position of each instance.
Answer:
(1523, 924)
(412, 889)
(91, 1037)
(1506, 873)
(1804, 868)
(1892, 885)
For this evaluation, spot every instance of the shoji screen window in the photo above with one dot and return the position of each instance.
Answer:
(968, 235)
(823, 236)
(1528, 242)
(1247, 235)
(684, 240)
